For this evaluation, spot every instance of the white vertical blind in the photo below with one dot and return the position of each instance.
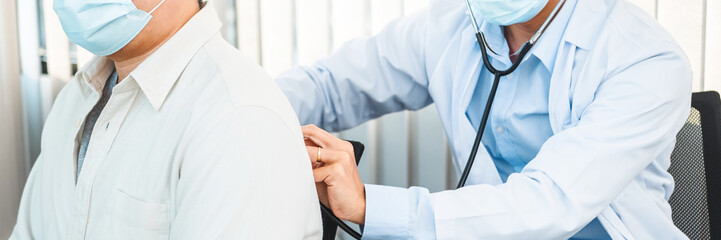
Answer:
(350, 19)
(411, 6)
(313, 30)
(83, 56)
(12, 149)
(277, 35)
(57, 45)
(712, 68)
(29, 37)
(248, 13)
(57, 55)
(685, 21)
(384, 11)
(648, 5)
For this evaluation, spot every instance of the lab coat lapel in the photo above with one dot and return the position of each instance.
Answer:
(559, 102)
(572, 88)
(466, 78)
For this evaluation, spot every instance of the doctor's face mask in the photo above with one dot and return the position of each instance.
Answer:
(102, 26)
(507, 12)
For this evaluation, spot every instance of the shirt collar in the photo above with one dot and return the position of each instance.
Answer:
(547, 47)
(93, 76)
(157, 75)
(586, 16)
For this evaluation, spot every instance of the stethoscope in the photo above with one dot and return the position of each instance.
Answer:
(481, 39)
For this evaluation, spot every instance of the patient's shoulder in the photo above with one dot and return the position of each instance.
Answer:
(240, 82)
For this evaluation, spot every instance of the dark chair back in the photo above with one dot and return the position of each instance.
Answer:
(696, 168)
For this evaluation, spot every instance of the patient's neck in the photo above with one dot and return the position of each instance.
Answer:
(167, 20)
(125, 65)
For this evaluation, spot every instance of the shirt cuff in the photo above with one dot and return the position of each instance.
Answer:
(398, 213)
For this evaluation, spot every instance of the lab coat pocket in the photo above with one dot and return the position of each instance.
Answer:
(132, 218)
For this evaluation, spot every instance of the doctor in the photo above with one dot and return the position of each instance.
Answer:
(579, 136)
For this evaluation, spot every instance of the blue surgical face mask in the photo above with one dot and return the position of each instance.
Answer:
(102, 26)
(507, 12)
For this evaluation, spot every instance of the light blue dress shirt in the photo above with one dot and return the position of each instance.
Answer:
(579, 139)
(518, 124)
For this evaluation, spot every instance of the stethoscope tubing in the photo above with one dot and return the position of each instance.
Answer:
(343, 226)
(489, 103)
(481, 39)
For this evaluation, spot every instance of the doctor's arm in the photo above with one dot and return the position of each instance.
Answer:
(632, 120)
(364, 79)
(578, 172)
(248, 178)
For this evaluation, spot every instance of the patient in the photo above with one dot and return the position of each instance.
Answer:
(173, 135)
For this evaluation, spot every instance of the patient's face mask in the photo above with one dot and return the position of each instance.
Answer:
(507, 12)
(102, 26)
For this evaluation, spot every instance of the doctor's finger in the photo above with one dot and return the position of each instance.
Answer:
(309, 142)
(322, 189)
(325, 174)
(327, 156)
(319, 136)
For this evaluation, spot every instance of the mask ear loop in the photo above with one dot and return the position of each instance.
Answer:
(156, 7)
(474, 22)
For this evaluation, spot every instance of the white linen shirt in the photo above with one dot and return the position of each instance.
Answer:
(197, 143)
(620, 90)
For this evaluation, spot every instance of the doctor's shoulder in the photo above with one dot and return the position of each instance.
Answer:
(630, 38)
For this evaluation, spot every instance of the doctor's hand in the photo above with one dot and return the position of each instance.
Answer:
(336, 175)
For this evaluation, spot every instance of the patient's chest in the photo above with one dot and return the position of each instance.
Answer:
(125, 186)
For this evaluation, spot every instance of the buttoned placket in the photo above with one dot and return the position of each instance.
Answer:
(499, 115)
(104, 133)
(79, 213)
(502, 102)
(503, 135)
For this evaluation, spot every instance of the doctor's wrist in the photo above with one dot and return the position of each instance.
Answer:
(359, 215)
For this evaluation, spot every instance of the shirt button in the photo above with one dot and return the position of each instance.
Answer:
(509, 76)
(500, 129)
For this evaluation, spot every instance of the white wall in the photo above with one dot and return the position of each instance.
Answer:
(12, 150)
